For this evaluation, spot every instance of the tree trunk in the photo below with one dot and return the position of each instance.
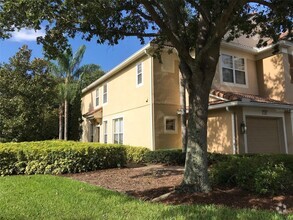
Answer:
(61, 106)
(198, 73)
(66, 108)
(66, 120)
(183, 115)
(196, 172)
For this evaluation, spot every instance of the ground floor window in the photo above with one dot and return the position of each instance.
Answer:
(170, 124)
(118, 131)
(105, 132)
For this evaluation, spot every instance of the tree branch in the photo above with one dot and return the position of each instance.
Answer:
(160, 22)
(262, 2)
(143, 15)
(201, 10)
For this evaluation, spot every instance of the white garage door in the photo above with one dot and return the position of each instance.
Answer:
(264, 135)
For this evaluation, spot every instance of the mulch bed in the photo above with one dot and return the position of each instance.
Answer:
(149, 182)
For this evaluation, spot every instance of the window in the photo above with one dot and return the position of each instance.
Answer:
(118, 131)
(233, 69)
(170, 124)
(139, 74)
(105, 93)
(97, 98)
(105, 132)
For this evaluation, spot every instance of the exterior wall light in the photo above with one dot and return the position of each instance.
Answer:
(243, 128)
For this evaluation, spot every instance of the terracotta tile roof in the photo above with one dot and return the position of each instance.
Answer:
(226, 96)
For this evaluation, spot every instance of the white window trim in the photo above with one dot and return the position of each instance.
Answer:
(136, 78)
(176, 125)
(113, 127)
(97, 96)
(105, 131)
(104, 103)
(245, 69)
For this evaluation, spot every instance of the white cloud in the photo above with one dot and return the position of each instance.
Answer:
(26, 35)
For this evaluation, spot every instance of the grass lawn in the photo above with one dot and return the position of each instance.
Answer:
(52, 197)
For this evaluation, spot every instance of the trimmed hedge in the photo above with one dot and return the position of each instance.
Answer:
(170, 157)
(262, 174)
(136, 154)
(57, 157)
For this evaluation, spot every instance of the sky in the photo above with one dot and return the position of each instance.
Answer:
(104, 55)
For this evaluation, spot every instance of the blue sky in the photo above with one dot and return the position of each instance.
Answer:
(104, 55)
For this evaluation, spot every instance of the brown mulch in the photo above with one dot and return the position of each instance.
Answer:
(149, 182)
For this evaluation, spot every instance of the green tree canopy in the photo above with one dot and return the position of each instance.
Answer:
(27, 99)
(199, 25)
(89, 73)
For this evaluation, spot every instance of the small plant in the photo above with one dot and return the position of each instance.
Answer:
(272, 178)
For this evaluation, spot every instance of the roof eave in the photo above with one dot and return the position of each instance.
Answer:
(116, 69)
(251, 104)
(240, 47)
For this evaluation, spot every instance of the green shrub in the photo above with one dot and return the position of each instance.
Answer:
(170, 157)
(144, 155)
(273, 178)
(136, 154)
(58, 157)
(223, 174)
(263, 174)
(214, 158)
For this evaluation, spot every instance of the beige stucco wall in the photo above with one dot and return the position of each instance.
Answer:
(251, 86)
(87, 104)
(220, 138)
(271, 77)
(166, 100)
(166, 140)
(127, 100)
(136, 125)
(288, 71)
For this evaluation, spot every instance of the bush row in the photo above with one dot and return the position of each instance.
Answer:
(258, 173)
(56, 157)
(262, 174)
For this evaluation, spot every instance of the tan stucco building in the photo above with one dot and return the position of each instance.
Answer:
(251, 104)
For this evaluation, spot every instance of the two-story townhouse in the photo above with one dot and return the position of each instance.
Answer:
(138, 102)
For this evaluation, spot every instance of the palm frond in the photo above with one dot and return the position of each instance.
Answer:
(86, 69)
(76, 59)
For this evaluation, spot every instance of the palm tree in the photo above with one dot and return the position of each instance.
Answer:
(68, 72)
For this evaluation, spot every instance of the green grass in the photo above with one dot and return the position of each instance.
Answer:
(53, 197)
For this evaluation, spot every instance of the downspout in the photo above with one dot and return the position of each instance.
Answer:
(234, 147)
(291, 114)
(151, 101)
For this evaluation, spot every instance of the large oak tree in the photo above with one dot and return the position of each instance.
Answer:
(199, 25)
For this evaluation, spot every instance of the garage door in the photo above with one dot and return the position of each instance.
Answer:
(264, 135)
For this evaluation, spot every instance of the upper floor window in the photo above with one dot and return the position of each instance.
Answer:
(97, 97)
(105, 93)
(233, 69)
(139, 74)
(118, 131)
